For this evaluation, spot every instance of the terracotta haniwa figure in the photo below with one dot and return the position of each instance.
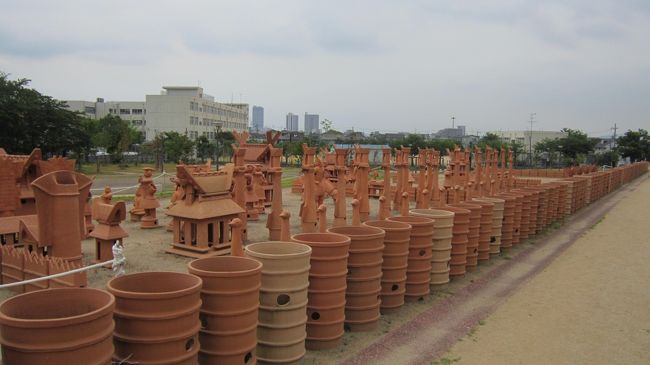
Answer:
(148, 200)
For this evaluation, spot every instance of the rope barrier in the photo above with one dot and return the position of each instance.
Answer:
(124, 188)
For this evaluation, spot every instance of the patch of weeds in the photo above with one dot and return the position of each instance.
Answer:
(507, 257)
(481, 322)
(445, 361)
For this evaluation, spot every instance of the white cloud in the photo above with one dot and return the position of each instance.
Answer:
(374, 65)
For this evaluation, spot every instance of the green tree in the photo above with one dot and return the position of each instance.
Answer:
(204, 148)
(609, 158)
(177, 147)
(635, 145)
(575, 145)
(517, 149)
(547, 150)
(29, 119)
(490, 140)
(116, 135)
(223, 145)
(326, 125)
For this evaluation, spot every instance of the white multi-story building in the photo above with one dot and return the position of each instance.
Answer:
(528, 137)
(183, 109)
(292, 122)
(132, 111)
(186, 109)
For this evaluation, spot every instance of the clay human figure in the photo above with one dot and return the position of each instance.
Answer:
(148, 201)
(107, 195)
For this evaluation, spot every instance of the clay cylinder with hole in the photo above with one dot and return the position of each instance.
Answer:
(443, 233)
(473, 234)
(156, 317)
(525, 213)
(362, 298)
(58, 327)
(282, 319)
(497, 222)
(395, 256)
(485, 230)
(507, 226)
(516, 225)
(327, 284)
(230, 301)
(418, 272)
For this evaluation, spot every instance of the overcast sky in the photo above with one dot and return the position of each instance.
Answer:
(371, 65)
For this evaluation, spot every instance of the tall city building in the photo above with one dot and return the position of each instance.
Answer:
(257, 124)
(312, 123)
(292, 122)
(183, 109)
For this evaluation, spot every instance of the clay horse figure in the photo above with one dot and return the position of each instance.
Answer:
(148, 200)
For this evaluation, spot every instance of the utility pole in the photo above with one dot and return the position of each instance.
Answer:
(530, 140)
(453, 119)
(613, 140)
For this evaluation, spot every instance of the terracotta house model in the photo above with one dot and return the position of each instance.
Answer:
(200, 219)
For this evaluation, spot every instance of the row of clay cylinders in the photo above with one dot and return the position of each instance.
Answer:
(551, 203)
(58, 327)
(474, 233)
(541, 207)
(485, 231)
(395, 263)
(569, 197)
(442, 234)
(516, 225)
(460, 231)
(156, 318)
(508, 224)
(497, 222)
(418, 272)
(534, 210)
(327, 287)
(362, 299)
(563, 199)
(282, 317)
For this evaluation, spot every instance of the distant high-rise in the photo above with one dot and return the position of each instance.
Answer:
(312, 122)
(292, 122)
(258, 119)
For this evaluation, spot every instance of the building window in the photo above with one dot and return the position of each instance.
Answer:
(89, 110)
(125, 111)
(136, 111)
(194, 106)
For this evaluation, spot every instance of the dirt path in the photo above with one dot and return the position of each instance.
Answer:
(590, 306)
